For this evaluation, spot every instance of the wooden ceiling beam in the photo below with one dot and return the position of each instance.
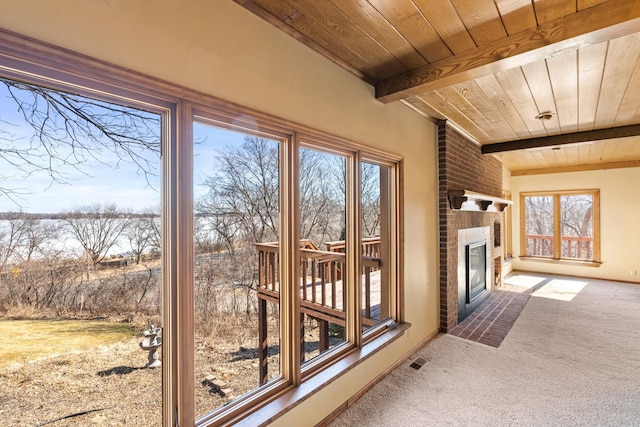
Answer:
(577, 168)
(556, 140)
(606, 21)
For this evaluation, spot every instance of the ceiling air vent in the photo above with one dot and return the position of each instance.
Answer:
(546, 115)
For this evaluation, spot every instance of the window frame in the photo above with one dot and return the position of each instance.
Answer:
(507, 229)
(34, 62)
(395, 231)
(331, 145)
(556, 257)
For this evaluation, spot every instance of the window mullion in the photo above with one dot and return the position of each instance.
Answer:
(290, 263)
(595, 256)
(395, 259)
(354, 252)
(557, 229)
(178, 337)
(169, 262)
(523, 225)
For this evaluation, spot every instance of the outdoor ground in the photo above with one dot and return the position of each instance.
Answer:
(93, 384)
(83, 376)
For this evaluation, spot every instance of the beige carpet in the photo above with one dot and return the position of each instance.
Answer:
(572, 358)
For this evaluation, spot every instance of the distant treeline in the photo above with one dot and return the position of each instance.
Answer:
(9, 216)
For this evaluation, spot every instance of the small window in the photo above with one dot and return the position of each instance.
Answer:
(323, 229)
(561, 225)
(377, 278)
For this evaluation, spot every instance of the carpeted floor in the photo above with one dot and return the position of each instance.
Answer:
(572, 358)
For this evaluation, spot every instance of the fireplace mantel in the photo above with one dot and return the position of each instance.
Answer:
(457, 199)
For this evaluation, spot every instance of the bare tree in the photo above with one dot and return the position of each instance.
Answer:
(370, 198)
(154, 229)
(576, 215)
(576, 221)
(69, 133)
(206, 238)
(11, 237)
(97, 228)
(245, 190)
(63, 137)
(335, 167)
(37, 236)
(539, 215)
(539, 223)
(140, 234)
(240, 208)
(322, 196)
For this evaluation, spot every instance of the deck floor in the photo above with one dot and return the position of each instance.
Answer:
(374, 295)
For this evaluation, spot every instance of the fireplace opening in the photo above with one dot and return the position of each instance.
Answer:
(475, 269)
(476, 266)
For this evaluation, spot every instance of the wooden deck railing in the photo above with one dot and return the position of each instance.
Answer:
(321, 284)
(370, 246)
(572, 246)
(321, 289)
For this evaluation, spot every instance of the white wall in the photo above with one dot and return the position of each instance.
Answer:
(217, 47)
(619, 220)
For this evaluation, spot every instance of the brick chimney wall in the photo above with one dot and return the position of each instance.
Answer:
(462, 166)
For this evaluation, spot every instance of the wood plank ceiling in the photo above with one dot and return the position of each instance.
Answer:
(491, 67)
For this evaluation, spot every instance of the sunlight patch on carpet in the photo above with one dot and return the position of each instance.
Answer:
(523, 280)
(562, 290)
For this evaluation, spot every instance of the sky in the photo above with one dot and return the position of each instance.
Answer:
(211, 141)
(104, 182)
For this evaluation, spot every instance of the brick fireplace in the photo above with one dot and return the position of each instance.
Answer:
(461, 166)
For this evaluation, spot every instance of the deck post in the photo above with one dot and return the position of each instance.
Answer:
(324, 335)
(301, 337)
(264, 343)
(367, 292)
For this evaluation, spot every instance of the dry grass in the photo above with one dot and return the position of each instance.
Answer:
(24, 341)
(106, 377)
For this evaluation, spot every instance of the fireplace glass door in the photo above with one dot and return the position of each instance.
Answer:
(476, 262)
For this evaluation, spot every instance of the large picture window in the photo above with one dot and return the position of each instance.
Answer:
(80, 256)
(260, 250)
(561, 225)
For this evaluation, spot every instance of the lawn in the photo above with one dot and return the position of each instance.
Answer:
(27, 340)
(88, 373)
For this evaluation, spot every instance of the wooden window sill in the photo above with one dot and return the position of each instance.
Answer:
(576, 262)
(293, 396)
